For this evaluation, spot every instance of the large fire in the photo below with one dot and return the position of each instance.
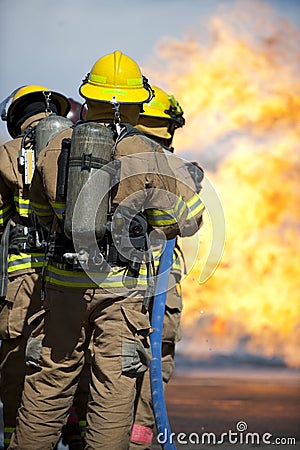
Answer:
(239, 86)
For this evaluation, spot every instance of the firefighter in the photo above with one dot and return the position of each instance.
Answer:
(159, 121)
(101, 291)
(73, 431)
(22, 252)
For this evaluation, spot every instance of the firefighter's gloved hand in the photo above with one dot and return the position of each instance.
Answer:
(33, 352)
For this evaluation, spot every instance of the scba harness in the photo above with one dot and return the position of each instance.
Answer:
(27, 236)
(95, 231)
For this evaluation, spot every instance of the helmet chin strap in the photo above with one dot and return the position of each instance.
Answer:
(149, 89)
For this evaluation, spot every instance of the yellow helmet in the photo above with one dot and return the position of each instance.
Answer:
(116, 77)
(161, 116)
(28, 90)
(31, 94)
(163, 106)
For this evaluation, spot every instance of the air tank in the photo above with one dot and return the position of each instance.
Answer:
(48, 128)
(88, 186)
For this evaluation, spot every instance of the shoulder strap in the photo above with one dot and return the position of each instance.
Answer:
(4, 243)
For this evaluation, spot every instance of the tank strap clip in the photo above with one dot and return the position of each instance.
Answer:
(86, 161)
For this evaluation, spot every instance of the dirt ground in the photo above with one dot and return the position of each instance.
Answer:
(219, 402)
(265, 404)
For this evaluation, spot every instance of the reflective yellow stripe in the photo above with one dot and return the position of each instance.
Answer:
(81, 274)
(195, 211)
(171, 216)
(21, 200)
(195, 206)
(158, 105)
(59, 209)
(156, 263)
(30, 265)
(98, 78)
(59, 205)
(5, 209)
(8, 434)
(42, 210)
(134, 81)
(76, 279)
(22, 206)
(161, 222)
(82, 426)
(5, 214)
(115, 91)
(158, 212)
(25, 261)
(21, 256)
(193, 200)
(156, 258)
(103, 80)
(176, 266)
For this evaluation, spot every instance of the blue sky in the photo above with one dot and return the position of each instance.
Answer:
(56, 43)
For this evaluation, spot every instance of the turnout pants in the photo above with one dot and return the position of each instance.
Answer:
(121, 351)
(22, 300)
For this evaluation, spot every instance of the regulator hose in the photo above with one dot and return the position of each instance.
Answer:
(156, 381)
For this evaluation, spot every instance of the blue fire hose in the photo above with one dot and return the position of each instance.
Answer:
(156, 381)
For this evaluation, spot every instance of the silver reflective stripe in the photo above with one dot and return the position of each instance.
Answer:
(195, 202)
(59, 209)
(28, 259)
(42, 210)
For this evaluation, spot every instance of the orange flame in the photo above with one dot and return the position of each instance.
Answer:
(239, 87)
